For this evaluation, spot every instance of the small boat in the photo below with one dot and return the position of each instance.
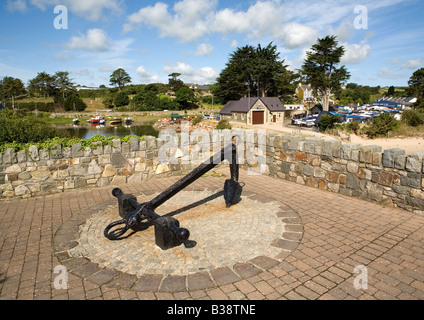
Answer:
(129, 120)
(95, 120)
(115, 121)
(75, 121)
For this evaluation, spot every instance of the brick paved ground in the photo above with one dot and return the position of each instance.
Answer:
(339, 233)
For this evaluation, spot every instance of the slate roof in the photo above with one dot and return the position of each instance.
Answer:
(242, 106)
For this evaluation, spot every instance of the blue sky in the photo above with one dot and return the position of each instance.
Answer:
(384, 39)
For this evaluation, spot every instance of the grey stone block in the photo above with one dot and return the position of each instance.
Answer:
(308, 170)
(347, 149)
(118, 160)
(389, 157)
(134, 144)
(412, 180)
(293, 143)
(56, 152)
(366, 154)
(285, 167)
(414, 162)
(314, 145)
(33, 153)
(117, 146)
(125, 147)
(44, 154)
(22, 156)
(331, 148)
(400, 162)
(77, 151)
(150, 142)
(9, 156)
(374, 191)
(352, 181)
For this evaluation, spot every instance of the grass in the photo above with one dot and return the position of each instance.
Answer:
(403, 130)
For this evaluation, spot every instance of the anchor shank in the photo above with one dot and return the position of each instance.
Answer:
(195, 174)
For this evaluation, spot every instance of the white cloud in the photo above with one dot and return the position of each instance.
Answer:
(355, 53)
(187, 22)
(89, 9)
(94, 40)
(203, 75)
(296, 25)
(234, 44)
(16, 5)
(412, 64)
(145, 77)
(295, 35)
(204, 49)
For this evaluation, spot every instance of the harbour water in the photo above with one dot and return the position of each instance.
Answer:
(86, 131)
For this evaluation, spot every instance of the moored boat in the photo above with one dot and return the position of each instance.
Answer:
(115, 121)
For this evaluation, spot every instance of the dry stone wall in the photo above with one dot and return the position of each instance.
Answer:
(391, 177)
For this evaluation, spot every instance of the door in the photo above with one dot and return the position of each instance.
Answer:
(258, 117)
(274, 118)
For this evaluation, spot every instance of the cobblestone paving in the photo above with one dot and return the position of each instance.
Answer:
(325, 238)
(220, 236)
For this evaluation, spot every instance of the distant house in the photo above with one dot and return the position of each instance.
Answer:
(307, 92)
(254, 110)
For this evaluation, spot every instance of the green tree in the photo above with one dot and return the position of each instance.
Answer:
(320, 69)
(174, 83)
(120, 78)
(63, 82)
(185, 96)
(121, 99)
(74, 103)
(255, 71)
(43, 84)
(416, 87)
(11, 87)
(108, 101)
(391, 91)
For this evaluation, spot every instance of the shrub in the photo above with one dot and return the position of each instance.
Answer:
(196, 120)
(121, 99)
(413, 118)
(328, 121)
(25, 130)
(74, 103)
(381, 125)
(223, 124)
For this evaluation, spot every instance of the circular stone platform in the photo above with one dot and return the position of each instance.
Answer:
(255, 229)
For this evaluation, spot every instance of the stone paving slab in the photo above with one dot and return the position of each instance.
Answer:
(340, 240)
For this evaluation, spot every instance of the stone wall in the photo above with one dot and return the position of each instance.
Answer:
(41, 172)
(391, 177)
